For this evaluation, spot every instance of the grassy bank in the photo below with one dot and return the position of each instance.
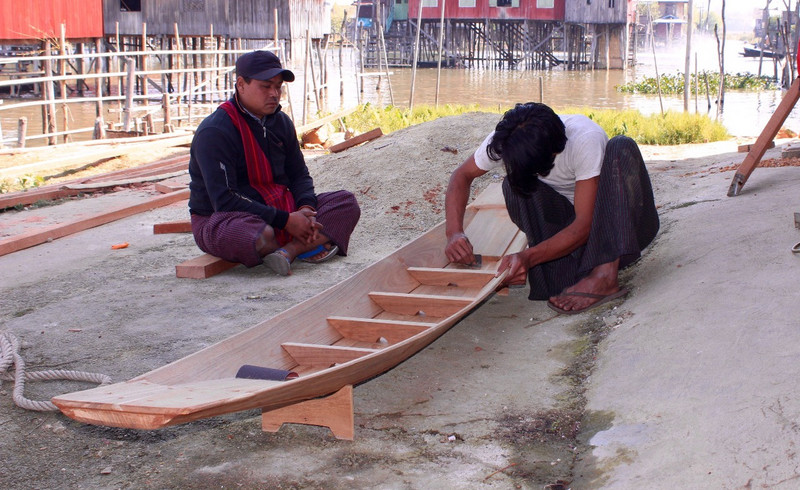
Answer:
(673, 128)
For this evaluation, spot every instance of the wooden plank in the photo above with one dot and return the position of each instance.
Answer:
(767, 135)
(82, 159)
(490, 198)
(172, 185)
(325, 120)
(419, 304)
(490, 232)
(356, 140)
(202, 267)
(181, 226)
(37, 237)
(466, 278)
(333, 411)
(372, 330)
(323, 355)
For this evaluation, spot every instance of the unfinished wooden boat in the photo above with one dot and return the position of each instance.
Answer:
(347, 334)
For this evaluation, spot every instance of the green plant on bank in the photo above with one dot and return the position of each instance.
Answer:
(673, 84)
(22, 183)
(672, 128)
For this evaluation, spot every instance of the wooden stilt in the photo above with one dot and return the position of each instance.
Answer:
(333, 411)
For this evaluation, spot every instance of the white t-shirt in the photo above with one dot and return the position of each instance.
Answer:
(581, 159)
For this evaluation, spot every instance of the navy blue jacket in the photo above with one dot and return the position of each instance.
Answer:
(219, 171)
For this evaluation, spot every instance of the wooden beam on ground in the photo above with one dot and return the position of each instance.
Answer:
(36, 237)
(767, 135)
(181, 226)
(82, 159)
(356, 140)
(748, 147)
(202, 267)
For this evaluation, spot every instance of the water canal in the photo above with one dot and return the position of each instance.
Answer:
(745, 113)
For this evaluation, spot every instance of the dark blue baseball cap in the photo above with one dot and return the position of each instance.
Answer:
(262, 65)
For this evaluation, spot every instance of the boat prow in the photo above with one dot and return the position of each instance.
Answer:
(351, 332)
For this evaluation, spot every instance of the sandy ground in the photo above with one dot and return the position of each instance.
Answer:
(687, 383)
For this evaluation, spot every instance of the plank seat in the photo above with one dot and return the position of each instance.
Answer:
(373, 330)
(323, 355)
(419, 304)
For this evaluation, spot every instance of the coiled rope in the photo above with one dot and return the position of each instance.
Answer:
(9, 356)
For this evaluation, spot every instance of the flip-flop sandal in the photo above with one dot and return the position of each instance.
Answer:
(279, 262)
(796, 248)
(603, 298)
(327, 255)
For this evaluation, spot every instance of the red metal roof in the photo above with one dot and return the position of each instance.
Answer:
(38, 19)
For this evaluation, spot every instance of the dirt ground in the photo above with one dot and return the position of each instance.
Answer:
(505, 399)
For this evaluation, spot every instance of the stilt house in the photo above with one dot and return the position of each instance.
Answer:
(227, 19)
(606, 26)
(503, 33)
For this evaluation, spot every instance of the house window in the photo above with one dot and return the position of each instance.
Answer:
(545, 4)
(130, 5)
(466, 3)
(430, 3)
(611, 4)
(504, 3)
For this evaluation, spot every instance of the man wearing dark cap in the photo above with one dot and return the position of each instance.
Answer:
(252, 199)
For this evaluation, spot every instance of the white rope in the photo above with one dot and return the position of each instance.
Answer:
(9, 355)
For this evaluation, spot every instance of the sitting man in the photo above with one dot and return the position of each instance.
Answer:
(252, 199)
(585, 204)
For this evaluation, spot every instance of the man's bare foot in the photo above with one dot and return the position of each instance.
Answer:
(590, 290)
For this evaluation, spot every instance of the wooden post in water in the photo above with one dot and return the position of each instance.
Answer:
(305, 77)
(179, 87)
(439, 60)
(416, 58)
(22, 130)
(129, 83)
(98, 87)
(143, 63)
(62, 68)
(50, 111)
(687, 64)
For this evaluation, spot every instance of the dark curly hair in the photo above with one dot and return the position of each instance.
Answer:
(527, 139)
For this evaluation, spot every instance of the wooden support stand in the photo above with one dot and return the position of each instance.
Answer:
(333, 411)
(181, 226)
(202, 267)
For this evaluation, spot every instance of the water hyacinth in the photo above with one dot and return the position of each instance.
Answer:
(673, 84)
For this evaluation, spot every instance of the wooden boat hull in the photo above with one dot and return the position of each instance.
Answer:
(345, 335)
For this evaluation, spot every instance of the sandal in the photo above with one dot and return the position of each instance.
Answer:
(319, 254)
(278, 261)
